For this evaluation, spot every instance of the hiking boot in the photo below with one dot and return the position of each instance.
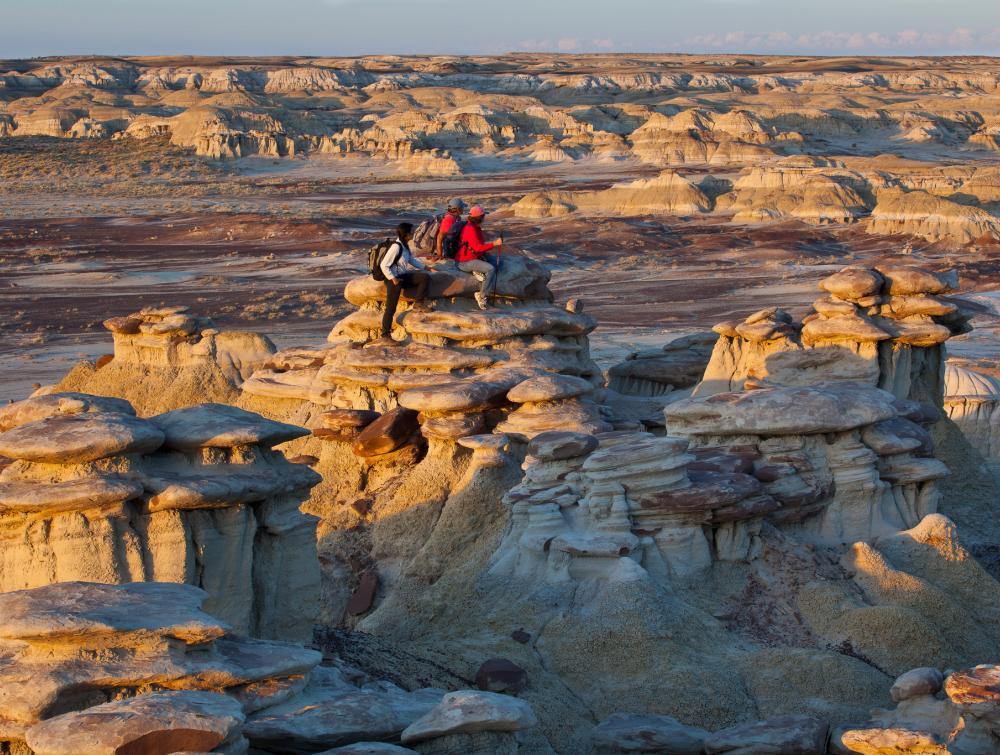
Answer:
(481, 300)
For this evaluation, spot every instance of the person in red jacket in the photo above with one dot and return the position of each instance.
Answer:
(473, 254)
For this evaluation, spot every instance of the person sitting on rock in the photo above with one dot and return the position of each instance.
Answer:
(454, 215)
(402, 271)
(473, 256)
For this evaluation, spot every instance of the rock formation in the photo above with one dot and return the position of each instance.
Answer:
(164, 356)
(882, 326)
(196, 495)
(970, 401)
(92, 668)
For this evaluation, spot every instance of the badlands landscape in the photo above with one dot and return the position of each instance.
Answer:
(715, 473)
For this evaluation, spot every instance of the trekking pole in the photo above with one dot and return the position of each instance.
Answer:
(496, 277)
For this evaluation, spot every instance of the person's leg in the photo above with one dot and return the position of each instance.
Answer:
(416, 286)
(392, 292)
(482, 266)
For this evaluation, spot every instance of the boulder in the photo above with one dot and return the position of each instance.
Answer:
(782, 735)
(390, 431)
(77, 438)
(919, 681)
(648, 733)
(878, 741)
(221, 426)
(852, 283)
(977, 691)
(160, 722)
(467, 712)
(904, 280)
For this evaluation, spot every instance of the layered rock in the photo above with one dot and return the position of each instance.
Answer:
(964, 719)
(883, 326)
(165, 358)
(678, 366)
(460, 368)
(196, 495)
(92, 668)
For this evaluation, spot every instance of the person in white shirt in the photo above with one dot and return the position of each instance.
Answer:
(402, 271)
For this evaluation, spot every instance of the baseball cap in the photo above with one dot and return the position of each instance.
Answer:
(476, 212)
(457, 203)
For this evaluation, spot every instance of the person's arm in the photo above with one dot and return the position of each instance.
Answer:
(389, 259)
(414, 261)
(475, 242)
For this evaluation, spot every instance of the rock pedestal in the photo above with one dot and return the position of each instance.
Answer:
(165, 358)
(195, 495)
(884, 326)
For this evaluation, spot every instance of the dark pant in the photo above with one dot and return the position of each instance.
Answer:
(417, 281)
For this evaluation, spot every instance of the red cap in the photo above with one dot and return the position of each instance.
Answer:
(477, 211)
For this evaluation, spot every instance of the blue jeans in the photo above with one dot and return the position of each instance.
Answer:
(487, 265)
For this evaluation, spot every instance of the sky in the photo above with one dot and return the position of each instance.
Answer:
(33, 28)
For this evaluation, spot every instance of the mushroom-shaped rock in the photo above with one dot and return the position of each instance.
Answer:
(55, 404)
(488, 449)
(904, 280)
(788, 735)
(549, 388)
(469, 711)
(77, 438)
(916, 682)
(557, 445)
(66, 611)
(899, 307)
(390, 431)
(160, 722)
(921, 333)
(824, 407)
(68, 495)
(222, 426)
(649, 733)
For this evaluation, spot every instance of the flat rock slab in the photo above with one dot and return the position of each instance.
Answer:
(782, 735)
(649, 733)
(907, 279)
(161, 722)
(549, 388)
(824, 407)
(416, 356)
(54, 404)
(222, 485)
(69, 611)
(222, 426)
(467, 711)
(330, 713)
(71, 495)
(78, 438)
